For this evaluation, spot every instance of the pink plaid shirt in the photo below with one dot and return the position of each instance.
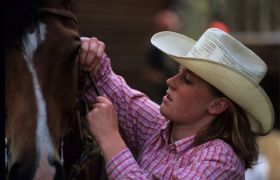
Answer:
(144, 129)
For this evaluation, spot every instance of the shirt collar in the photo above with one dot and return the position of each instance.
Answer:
(180, 145)
(184, 144)
(164, 133)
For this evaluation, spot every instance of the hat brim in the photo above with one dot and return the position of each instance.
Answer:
(239, 88)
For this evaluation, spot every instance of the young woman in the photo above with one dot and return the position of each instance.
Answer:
(206, 124)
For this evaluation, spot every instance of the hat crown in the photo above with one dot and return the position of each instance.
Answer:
(218, 46)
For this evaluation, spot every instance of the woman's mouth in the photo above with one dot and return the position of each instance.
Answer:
(167, 98)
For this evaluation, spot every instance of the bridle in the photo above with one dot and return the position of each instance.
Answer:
(90, 146)
(60, 13)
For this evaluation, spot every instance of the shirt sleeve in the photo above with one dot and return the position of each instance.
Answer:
(138, 116)
(213, 162)
(124, 166)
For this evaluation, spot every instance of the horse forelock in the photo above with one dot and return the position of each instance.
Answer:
(21, 17)
(31, 41)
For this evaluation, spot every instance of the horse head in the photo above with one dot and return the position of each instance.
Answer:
(40, 89)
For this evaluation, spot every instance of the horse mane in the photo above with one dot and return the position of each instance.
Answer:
(20, 17)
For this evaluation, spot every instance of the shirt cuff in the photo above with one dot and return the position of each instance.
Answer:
(103, 69)
(121, 165)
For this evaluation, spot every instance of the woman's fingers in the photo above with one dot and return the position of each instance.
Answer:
(83, 53)
(99, 54)
(91, 52)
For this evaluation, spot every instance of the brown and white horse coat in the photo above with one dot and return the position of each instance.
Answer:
(40, 93)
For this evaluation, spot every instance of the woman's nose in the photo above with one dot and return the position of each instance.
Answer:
(171, 82)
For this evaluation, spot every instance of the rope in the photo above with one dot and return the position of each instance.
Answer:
(90, 146)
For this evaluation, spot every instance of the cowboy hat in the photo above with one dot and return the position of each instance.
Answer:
(228, 65)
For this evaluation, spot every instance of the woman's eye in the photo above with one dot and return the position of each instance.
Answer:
(187, 79)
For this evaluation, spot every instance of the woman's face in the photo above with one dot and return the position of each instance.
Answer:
(187, 99)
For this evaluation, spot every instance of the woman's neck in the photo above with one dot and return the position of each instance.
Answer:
(178, 132)
(181, 131)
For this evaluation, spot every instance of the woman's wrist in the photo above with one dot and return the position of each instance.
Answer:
(112, 146)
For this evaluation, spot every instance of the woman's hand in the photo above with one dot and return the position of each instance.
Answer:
(91, 52)
(102, 120)
(103, 124)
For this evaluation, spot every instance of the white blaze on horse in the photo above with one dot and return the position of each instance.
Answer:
(44, 145)
(40, 85)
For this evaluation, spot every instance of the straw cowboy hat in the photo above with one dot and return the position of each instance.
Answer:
(228, 65)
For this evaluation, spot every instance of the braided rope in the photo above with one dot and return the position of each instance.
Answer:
(90, 146)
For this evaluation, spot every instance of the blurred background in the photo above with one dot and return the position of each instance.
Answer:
(126, 27)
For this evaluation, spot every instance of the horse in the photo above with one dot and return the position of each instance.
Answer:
(41, 74)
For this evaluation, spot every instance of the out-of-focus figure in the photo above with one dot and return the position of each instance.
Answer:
(167, 20)
(159, 66)
(220, 25)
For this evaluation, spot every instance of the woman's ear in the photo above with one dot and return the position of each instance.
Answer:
(219, 105)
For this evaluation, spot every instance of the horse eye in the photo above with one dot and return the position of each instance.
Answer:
(72, 52)
(69, 23)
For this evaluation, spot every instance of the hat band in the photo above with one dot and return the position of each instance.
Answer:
(210, 48)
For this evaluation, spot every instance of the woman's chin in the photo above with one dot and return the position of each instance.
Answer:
(163, 109)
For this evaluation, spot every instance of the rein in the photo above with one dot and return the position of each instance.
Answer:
(90, 146)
